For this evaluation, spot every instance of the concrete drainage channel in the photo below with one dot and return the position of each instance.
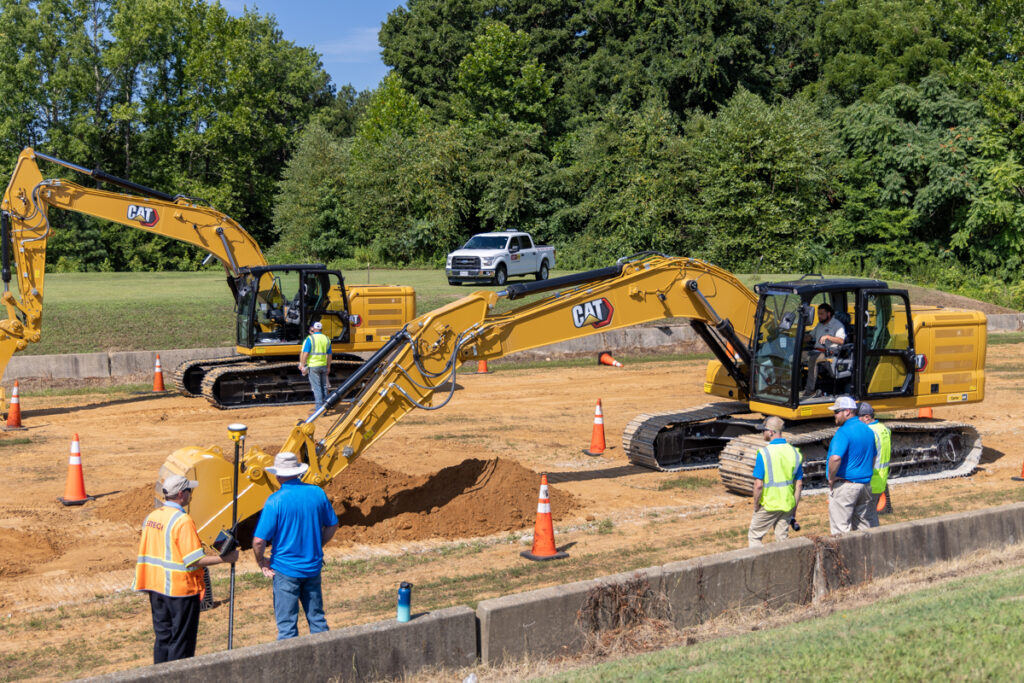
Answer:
(545, 622)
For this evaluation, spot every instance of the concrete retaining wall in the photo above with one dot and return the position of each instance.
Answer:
(546, 622)
(386, 649)
(98, 365)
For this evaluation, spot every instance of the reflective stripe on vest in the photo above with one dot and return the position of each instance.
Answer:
(161, 566)
(883, 445)
(319, 346)
(780, 463)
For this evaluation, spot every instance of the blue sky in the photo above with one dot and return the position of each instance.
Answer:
(344, 32)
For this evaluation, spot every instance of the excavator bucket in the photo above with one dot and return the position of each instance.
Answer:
(212, 501)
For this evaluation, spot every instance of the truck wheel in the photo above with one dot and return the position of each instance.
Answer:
(542, 274)
(500, 276)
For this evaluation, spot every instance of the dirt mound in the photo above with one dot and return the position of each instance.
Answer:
(473, 498)
(20, 550)
(130, 506)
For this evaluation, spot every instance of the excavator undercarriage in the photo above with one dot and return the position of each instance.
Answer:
(720, 434)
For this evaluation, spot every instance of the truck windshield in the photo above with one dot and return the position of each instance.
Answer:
(486, 242)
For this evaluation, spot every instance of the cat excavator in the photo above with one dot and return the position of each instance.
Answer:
(897, 358)
(274, 304)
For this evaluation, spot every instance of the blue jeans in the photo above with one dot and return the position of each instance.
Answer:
(318, 380)
(288, 593)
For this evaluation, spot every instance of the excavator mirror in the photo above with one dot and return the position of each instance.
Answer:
(807, 311)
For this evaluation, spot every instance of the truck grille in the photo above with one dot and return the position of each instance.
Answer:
(466, 262)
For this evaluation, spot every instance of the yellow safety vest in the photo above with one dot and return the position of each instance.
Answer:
(320, 345)
(168, 552)
(780, 463)
(883, 444)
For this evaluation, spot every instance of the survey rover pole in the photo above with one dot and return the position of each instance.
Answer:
(237, 432)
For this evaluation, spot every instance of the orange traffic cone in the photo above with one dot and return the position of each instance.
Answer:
(543, 531)
(481, 367)
(925, 412)
(605, 358)
(14, 412)
(74, 489)
(597, 436)
(1021, 477)
(158, 376)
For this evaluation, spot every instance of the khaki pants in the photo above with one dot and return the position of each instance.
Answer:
(763, 521)
(848, 504)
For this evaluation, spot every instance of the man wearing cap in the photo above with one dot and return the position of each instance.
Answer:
(315, 360)
(851, 457)
(297, 521)
(880, 469)
(778, 481)
(170, 568)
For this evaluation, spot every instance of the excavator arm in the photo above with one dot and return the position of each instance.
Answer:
(25, 227)
(419, 366)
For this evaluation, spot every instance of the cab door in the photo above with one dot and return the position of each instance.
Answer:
(884, 344)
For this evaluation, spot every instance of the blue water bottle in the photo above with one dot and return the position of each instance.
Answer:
(404, 601)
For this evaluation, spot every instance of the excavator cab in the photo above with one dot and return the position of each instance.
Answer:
(275, 305)
(876, 360)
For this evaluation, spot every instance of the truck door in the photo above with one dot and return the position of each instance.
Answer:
(529, 252)
(885, 344)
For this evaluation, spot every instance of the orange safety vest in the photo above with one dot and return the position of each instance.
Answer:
(168, 553)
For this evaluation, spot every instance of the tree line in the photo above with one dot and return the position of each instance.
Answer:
(878, 137)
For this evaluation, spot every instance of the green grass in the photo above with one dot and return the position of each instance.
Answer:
(1005, 338)
(689, 483)
(964, 630)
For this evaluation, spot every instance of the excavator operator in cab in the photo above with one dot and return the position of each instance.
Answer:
(825, 339)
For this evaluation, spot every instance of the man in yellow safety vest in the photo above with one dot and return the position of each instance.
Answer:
(880, 473)
(778, 481)
(315, 361)
(170, 568)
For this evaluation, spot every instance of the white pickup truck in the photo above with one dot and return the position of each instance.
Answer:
(495, 256)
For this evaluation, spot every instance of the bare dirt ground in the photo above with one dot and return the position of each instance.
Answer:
(444, 501)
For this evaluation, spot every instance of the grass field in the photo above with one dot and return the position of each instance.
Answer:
(964, 630)
(88, 312)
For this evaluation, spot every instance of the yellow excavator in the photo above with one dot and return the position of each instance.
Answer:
(896, 358)
(274, 304)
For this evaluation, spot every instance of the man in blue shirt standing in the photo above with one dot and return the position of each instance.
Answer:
(851, 458)
(297, 521)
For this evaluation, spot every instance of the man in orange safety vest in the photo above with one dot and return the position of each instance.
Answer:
(170, 568)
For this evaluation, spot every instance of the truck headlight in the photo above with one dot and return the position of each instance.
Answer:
(448, 262)
(487, 260)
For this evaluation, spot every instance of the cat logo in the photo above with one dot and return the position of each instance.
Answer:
(597, 313)
(146, 215)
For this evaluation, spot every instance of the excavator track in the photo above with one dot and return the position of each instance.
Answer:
(240, 382)
(188, 376)
(686, 440)
(922, 450)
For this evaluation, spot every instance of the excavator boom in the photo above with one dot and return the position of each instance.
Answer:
(418, 367)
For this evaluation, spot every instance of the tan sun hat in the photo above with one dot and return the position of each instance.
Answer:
(773, 424)
(286, 464)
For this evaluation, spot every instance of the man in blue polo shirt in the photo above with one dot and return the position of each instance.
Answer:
(851, 458)
(297, 521)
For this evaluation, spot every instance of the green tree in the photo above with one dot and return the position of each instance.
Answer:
(759, 178)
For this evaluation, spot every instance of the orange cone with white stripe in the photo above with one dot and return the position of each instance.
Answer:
(481, 367)
(543, 530)
(158, 376)
(74, 489)
(14, 411)
(597, 436)
(605, 358)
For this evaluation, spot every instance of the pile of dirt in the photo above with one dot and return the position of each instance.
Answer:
(130, 506)
(20, 551)
(473, 498)
(374, 504)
